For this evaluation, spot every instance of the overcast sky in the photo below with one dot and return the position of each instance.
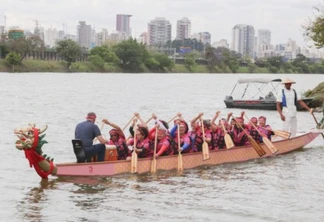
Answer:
(283, 17)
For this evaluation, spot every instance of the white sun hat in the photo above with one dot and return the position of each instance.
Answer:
(288, 80)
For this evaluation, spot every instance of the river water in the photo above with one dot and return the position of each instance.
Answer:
(284, 188)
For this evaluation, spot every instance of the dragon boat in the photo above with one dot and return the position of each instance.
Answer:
(31, 140)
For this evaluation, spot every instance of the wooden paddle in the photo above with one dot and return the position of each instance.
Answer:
(282, 133)
(228, 140)
(258, 149)
(153, 166)
(136, 120)
(128, 123)
(180, 163)
(149, 119)
(265, 139)
(172, 118)
(134, 157)
(317, 123)
(205, 149)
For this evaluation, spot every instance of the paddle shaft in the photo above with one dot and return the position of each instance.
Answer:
(149, 119)
(317, 123)
(134, 156)
(205, 149)
(128, 123)
(228, 140)
(172, 118)
(153, 169)
(180, 163)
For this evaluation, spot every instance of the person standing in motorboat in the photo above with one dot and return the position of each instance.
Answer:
(287, 100)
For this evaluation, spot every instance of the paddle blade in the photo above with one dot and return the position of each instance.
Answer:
(270, 145)
(228, 141)
(134, 162)
(153, 166)
(256, 146)
(180, 163)
(283, 134)
(205, 151)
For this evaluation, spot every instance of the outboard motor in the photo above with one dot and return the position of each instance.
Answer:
(228, 98)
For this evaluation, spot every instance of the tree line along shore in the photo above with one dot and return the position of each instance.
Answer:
(133, 57)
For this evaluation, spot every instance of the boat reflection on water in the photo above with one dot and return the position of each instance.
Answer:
(31, 207)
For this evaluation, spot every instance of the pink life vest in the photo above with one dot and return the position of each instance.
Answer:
(146, 148)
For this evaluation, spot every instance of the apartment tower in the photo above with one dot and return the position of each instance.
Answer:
(183, 29)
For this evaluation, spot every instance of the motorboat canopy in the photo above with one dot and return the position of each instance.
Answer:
(257, 80)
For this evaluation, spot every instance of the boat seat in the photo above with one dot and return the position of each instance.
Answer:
(79, 151)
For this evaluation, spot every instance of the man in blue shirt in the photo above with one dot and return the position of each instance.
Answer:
(87, 131)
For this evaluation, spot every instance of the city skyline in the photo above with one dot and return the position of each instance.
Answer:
(284, 18)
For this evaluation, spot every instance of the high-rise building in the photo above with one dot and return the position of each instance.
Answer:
(144, 38)
(93, 38)
(51, 36)
(84, 35)
(183, 28)
(205, 37)
(263, 41)
(2, 30)
(102, 37)
(39, 31)
(123, 24)
(159, 31)
(61, 35)
(2, 34)
(243, 40)
(264, 36)
(291, 49)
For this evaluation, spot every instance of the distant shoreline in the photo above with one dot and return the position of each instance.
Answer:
(59, 66)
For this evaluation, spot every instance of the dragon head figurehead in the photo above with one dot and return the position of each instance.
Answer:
(30, 136)
(31, 140)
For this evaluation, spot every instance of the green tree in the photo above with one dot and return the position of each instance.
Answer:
(252, 67)
(24, 45)
(97, 61)
(231, 59)
(131, 55)
(152, 64)
(164, 61)
(212, 58)
(4, 50)
(190, 61)
(276, 62)
(105, 53)
(315, 28)
(288, 67)
(302, 63)
(69, 51)
(13, 59)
